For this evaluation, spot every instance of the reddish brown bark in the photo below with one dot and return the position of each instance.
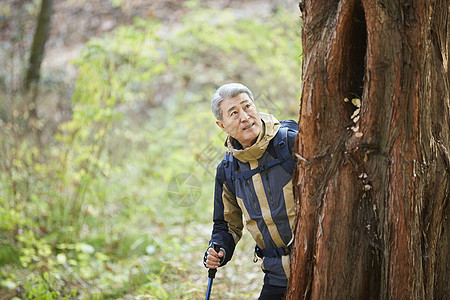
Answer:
(372, 192)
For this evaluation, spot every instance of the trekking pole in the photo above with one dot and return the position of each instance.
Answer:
(212, 273)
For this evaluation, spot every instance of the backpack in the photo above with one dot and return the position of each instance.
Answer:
(282, 151)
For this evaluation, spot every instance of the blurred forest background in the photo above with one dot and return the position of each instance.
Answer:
(107, 169)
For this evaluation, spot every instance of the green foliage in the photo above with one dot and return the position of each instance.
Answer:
(116, 205)
(263, 54)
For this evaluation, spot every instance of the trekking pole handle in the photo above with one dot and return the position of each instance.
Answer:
(212, 272)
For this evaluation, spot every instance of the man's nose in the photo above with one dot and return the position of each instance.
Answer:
(244, 116)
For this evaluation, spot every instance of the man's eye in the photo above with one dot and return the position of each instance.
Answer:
(247, 106)
(233, 113)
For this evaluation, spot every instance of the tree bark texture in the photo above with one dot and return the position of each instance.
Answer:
(373, 164)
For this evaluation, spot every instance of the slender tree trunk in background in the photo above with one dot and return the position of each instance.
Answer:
(36, 56)
(37, 49)
(373, 176)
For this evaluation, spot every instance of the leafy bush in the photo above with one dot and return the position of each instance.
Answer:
(116, 205)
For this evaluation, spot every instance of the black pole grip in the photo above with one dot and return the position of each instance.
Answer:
(212, 272)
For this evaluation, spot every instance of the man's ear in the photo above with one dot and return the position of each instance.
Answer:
(220, 124)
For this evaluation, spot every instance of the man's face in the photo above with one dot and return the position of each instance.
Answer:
(240, 119)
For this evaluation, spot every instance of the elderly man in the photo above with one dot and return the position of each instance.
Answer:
(253, 183)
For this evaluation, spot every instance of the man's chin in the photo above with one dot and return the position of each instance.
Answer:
(250, 138)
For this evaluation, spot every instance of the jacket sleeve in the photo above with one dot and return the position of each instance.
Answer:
(227, 228)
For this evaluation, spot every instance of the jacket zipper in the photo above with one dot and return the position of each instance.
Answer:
(251, 193)
(270, 192)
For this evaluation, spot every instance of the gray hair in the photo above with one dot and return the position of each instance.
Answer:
(227, 91)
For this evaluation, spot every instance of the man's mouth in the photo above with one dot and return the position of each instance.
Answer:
(247, 127)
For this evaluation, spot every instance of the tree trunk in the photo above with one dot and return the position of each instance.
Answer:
(33, 72)
(37, 49)
(373, 174)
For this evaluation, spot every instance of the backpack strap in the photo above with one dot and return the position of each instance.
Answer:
(281, 145)
(283, 156)
(229, 170)
(282, 151)
(248, 174)
(273, 252)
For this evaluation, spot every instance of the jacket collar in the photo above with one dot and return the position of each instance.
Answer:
(269, 129)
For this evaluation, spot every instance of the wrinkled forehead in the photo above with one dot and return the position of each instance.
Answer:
(240, 99)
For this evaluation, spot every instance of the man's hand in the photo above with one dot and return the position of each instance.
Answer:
(213, 259)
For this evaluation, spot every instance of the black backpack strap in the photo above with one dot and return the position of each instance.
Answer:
(273, 252)
(248, 174)
(283, 156)
(281, 145)
(282, 151)
(228, 164)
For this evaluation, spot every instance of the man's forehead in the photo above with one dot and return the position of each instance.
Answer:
(241, 98)
(231, 105)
